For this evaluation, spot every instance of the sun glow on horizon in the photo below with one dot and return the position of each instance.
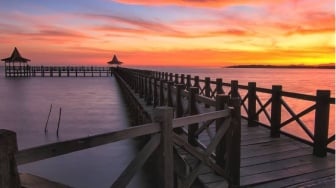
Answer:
(171, 32)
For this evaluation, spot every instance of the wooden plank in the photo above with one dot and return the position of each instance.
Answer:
(270, 144)
(316, 165)
(246, 153)
(275, 157)
(276, 165)
(61, 148)
(261, 140)
(299, 178)
(137, 162)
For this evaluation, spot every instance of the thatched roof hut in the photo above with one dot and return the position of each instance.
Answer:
(15, 57)
(115, 61)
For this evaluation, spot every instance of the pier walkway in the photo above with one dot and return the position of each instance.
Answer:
(265, 160)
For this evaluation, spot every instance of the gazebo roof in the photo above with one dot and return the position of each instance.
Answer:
(114, 61)
(15, 57)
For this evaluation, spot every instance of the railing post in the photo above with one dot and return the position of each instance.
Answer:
(192, 138)
(169, 93)
(176, 79)
(196, 81)
(179, 106)
(145, 88)
(150, 91)
(219, 86)
(9, 176)
(164, 116)
(141, 86)
(321, 123)
(221, 103)
(182, 79)
(276, 111)
(171, 77)
(155, 93)
(252, 108)
(161, 101)
(188, 84)
(207, 89)
(234, 147)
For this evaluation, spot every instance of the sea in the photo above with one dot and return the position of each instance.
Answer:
(94, 105)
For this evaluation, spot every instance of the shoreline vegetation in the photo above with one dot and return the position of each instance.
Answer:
(322, 66)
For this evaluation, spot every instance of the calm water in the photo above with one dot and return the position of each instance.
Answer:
(94, 105)
(89, 106)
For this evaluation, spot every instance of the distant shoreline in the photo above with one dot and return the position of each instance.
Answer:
(328, 66)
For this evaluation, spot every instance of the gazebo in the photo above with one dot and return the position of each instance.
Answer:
(11, 63)
(115, 61)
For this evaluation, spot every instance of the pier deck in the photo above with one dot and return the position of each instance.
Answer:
(275, 162)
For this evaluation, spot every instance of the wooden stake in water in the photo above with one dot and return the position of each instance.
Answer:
(59, 121)
(46, 125)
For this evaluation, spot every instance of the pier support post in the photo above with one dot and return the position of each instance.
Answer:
(164, 116)
(192, 138)
(9, 176)
(252, 101)
(276, 111)
(321, 123)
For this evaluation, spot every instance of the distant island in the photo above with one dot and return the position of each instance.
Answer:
(322, 66)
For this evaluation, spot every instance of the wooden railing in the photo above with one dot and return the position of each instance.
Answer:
(57, 71)
(149, 92)
(161, 133)
(252, 105)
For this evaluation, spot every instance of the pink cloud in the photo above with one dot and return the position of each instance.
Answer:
(196, 3)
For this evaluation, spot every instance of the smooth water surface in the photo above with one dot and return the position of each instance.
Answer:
(89, 106)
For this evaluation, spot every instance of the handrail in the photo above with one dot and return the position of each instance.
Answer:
(208, 89)
(60, 148)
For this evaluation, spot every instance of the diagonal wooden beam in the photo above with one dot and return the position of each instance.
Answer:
(126, 176)
(198, 154)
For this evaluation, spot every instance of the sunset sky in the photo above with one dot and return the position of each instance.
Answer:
(169, 32)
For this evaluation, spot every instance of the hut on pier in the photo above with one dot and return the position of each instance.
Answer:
(16, 65)
(114, 61)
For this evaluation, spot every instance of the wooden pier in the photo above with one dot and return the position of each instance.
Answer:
(197, 130)
(57, 71)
